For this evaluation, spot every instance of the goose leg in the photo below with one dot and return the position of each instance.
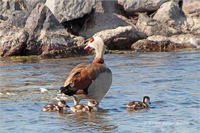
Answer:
(76, 100)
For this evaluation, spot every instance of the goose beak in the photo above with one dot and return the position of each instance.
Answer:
(87, 47)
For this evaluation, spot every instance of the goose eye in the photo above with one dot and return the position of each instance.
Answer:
(91, 39)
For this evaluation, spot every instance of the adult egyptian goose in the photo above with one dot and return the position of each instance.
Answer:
(60, 106)
(136, 105)
(89, 80)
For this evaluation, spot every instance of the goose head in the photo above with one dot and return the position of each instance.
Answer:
(62, 103)
(97, 44)
(92, 103)
(146, 100)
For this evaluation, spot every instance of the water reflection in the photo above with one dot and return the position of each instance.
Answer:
(86, 121)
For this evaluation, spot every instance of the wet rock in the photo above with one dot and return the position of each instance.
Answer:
(191, 8)
(153, 27)
(171, 14)
(45, 32)
(121, 37)
(65, 53)
(102, 21)
(65, 10)
(163, 43)
(152, 46)
(131, 6)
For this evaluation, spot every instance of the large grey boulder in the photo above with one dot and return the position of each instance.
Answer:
(45, 32)
(132, 6)
(66, 10)
(153, 27)
(102, 21)
(121, 37)
(171, 14)
(26, 32)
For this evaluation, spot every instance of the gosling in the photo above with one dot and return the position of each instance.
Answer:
(60, 106)
(90, 107)
(136, 105)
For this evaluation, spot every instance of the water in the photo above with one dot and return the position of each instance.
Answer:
(170, 79)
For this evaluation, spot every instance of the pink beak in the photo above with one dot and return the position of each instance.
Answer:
(87, 47)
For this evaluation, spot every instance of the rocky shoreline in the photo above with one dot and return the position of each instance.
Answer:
(57, 28)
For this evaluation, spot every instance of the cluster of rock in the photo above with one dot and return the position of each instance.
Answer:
(58, 27)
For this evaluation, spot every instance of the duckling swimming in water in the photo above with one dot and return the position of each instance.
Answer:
(93, 105)
(136, 105)
(60, 106)
(85, 108)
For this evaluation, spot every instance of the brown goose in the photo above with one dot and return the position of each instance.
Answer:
(89, 80)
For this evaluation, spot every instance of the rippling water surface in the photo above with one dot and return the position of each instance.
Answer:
(170, 79)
